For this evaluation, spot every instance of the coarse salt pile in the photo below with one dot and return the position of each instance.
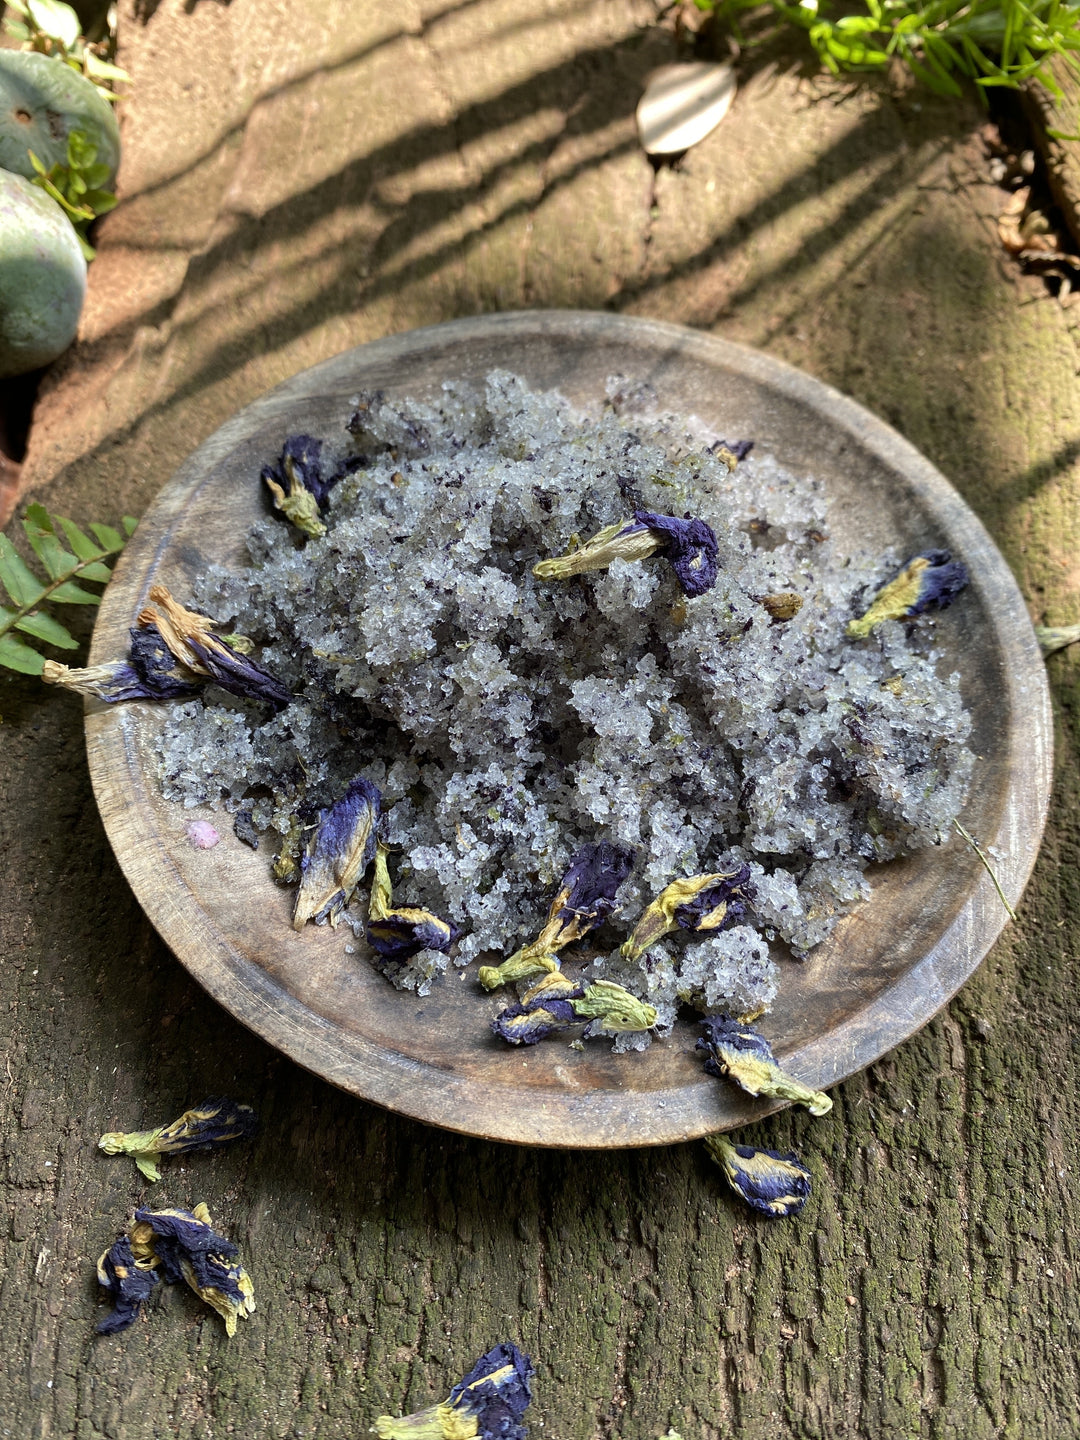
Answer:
(508, 720)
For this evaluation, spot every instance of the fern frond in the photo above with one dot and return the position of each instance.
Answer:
(68, 556)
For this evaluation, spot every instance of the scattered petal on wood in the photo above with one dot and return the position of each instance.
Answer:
(682, 104)
(202, 835)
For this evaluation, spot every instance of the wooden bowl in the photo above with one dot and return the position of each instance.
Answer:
(885, 971)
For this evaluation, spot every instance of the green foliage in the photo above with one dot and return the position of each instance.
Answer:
(53, 28)
(76, 186)
(992, 42)
(68, 557)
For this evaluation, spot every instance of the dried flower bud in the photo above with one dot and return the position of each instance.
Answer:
(699, 903)
(737, 1052)
(338, 855)
(189, 636)
(150, 672)
(689, 544)
(556, 1003)
(127, 1281)
(214, 1122)
(585, 899)
(298, 485)
(931, 579)
(398, 934)
(1054, 638)
(188, 1248)
(488, 1404)
(775, 1185)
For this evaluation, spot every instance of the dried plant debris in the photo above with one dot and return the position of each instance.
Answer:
(1031, 228)
(773, 1184)
(695, 705)
(174, 1245)
(556, 1003)
(488, 1404)
(216, 1121)
(736, 1051)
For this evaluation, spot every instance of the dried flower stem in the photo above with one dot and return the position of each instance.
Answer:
(981, 853)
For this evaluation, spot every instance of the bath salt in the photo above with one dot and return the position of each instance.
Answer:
(509, 719)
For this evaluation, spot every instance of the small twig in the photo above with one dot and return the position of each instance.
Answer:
(981, 853)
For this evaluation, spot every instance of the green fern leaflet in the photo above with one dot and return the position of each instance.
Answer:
(70, 559)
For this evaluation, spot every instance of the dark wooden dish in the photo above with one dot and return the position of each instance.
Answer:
(887, 969)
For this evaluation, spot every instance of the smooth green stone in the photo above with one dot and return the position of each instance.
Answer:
(42, 277)
(42, 101)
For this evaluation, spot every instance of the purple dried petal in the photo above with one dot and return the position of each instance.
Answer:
(126, 1283)
(521, 1025)
(497, 1392)
(732, 893)
(591, 883)
(405, 932)
(691, 548)
(239, 674)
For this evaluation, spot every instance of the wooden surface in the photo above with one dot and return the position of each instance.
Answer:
(292, 187)
(883, 973)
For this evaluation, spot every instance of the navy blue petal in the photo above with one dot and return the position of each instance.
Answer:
(239, 674)
(941, 581)
(733, 893)
(497, 1391)
(691, 548)
(594, 876)
(404, 933)
(127, 1283)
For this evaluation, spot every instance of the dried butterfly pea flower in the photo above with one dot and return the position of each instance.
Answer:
(689, 544)
(736, 449)
(775, 1185)
(488, 1404)
(555, 1003)
(299, 487)
(398, 934)
(737, 1052)
(585, 899)
(214, 1122)
(150, 672)
(128, 1282)
(699, 903)
(338, 855)
(933, 578)
(188, 1248)
(191, 640)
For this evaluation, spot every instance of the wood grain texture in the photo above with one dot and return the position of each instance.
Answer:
(929, 1289)
(886, 969)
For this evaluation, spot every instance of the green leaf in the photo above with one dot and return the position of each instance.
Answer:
(17, 578)
(55, 19)
(44, 627)
(100, 201)
(95, 175)
(107, 536)
(17, 30)
(103, 70)
(81, 543)
(36, 163)
(98, 571)
(130, 525)
(17, 656)
(71, 594)
(58, 562)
